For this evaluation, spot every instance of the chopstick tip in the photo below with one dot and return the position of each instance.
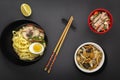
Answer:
(72, 17)
(48, 71)
(45, 69)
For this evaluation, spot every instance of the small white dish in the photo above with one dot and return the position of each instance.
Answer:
(100, 64)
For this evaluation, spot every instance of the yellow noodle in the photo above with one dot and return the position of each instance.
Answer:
(21, 46)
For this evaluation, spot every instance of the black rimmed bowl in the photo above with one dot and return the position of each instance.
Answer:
(6, 41)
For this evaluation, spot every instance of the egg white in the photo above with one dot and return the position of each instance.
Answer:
(32, 50)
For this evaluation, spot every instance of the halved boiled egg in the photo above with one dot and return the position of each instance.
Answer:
(36, 48)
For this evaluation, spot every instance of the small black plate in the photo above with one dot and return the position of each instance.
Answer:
(6, 42)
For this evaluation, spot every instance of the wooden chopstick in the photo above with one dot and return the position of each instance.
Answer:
(46, 67)
(58, 46)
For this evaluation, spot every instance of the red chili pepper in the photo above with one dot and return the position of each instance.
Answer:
(96, 12)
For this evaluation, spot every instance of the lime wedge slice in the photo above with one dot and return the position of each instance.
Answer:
(26, 10)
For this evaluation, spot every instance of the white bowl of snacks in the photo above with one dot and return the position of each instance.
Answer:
(89, 57)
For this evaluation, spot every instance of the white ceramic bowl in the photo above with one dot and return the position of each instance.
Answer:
(98, 67)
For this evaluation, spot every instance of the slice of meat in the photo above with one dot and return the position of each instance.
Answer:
(27, 28)
(27, 32)
(103, 14)
(42, 31)
(36, 32)
(42, 35)
(100, 28)
(97, 18)
(24, 35)
(92, 17)
(98, 23)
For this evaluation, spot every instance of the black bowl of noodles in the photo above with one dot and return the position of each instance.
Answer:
(7, 42)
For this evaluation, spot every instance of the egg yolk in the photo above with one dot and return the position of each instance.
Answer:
(37, 47)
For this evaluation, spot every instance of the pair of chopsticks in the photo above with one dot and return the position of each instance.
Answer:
(58, 46)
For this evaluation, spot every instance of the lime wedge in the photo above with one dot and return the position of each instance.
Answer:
(26, 10)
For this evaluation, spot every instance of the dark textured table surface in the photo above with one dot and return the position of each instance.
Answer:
(49, 14)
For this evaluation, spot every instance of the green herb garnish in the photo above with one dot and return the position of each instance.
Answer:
(35, 38)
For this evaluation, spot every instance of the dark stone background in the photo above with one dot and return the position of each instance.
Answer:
(49, 14)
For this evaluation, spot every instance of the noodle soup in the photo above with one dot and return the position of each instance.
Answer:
(24, 38)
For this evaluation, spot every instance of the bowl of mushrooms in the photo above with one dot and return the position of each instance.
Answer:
(89, 57)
